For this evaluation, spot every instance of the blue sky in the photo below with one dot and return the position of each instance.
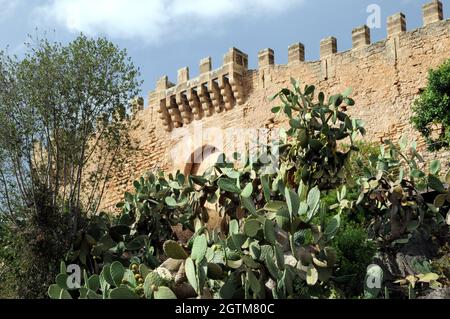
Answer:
(162, 36)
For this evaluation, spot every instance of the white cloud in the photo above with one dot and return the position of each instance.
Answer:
(7, 7)
(153, 20)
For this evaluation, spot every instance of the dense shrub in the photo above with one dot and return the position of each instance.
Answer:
(359, 161)
(8, 255)
(32, 247)
(275, 236)
(431, 110)
(62, 107)
(294, 231)
(391, 193)
(355, 253)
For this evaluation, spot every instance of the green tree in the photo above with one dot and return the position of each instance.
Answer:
(63, 124)
(432, 109)
(60, 108)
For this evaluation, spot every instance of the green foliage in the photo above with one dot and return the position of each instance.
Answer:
(154, 279)
(31, 248)
(390, 193)
(114, 282)
(52, 102)
(240, 258)
(422, 280)
(281, 233)
(431, 109)
(174, 250)
(355, 253)
(316, 125)
(442, 267)
(367, 153)
(159, 202)
(8, 260)
(105, 240)
(61, 107)
(442, 199)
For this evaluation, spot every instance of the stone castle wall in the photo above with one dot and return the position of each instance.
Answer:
(188, 116)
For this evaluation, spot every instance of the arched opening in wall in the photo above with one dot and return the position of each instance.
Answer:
(202, 159)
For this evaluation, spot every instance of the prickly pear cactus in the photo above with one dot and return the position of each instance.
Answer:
(173, 250)
(158, 278)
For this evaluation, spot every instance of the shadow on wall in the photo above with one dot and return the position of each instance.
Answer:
(200, 160)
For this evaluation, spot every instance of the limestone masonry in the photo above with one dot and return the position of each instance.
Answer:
(188, 116)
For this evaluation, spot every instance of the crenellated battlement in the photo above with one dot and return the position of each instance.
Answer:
(220, 90)
(213, 91)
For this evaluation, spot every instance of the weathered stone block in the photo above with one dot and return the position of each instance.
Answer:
(361, 36)
(163, 83)
(296, 52)
(432, 12)
(266, 57)
(396, 24)
(205, 65)
(328, 47)
(183, 75)
(236, 56)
